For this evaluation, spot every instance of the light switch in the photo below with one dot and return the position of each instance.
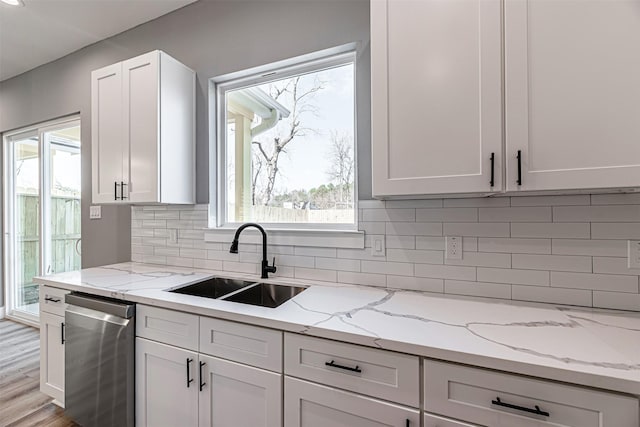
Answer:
(95, 212)
(378, 245)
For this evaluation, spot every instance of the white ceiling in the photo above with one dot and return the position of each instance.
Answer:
(44, 30)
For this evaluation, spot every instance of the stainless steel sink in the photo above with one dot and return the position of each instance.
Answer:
(214, 287)
(265, 294)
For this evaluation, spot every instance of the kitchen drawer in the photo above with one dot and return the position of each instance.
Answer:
(467, 393)
(52, 300)
(167, 326)
(431, 420)
(312, 405)
(251, 345)
(378, 373)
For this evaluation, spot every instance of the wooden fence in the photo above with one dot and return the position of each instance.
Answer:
(65, 231)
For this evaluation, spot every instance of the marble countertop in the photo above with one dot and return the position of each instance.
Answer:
(596, 348)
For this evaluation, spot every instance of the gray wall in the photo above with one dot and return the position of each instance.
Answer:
(213, 38)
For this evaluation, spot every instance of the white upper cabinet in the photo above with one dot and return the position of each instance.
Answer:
(572, 94)
(436, 97)
(143, 131)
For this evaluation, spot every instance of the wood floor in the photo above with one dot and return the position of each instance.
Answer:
(21, 403)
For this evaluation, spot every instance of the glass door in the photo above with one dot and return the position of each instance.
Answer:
(42, 210)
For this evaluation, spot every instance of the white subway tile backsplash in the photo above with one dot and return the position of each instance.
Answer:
(575, 200)
(621, 213)
(514, 276)
(574, 230)
(415, 256)
(606, 282)
(482, 259)
(315, 274)
(385, 267)
(447, 215)
(478, 202)
(616, 300)
(552, 262)
(389, 215)
(528, 214)
(609, 265)
(452, 272)
(424, 284)
(492, 229)
(413, 229)
(615, 248)
(612, 230)
(552, 295)
(555, 249)
(615, 199)
(310, 251)
(514, 245)
(403, 204)
(480, 289)
(338, 264)
(367, 279)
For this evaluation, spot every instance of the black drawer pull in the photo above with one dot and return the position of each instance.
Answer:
(493, 163)
(536, 411)
(189, 379)
(519, 157)
(52, 299)
(202, 383)
(346, 368)
(62, 333)
(408, 422)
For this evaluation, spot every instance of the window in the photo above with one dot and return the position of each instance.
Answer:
(286, 146)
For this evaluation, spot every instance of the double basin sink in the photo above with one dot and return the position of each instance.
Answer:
(242, 291)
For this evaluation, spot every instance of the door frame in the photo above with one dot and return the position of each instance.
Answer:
(8, 221)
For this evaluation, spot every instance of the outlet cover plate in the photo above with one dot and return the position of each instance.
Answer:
(633, 254)
(453, 247)
(378, 245)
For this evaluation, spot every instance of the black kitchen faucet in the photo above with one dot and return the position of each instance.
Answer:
(266, 268)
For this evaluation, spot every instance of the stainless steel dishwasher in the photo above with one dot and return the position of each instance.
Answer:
(99, 361)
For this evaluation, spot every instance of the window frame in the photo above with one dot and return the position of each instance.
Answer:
(219, 86)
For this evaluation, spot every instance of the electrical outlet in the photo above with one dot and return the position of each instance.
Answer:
(378, 245)
(633, 254)
(173, 236)
(95, 212)
(453, 247)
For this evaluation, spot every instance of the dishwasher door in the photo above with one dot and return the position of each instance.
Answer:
(99, 361)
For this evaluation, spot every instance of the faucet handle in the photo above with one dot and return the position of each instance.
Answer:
(274, 262)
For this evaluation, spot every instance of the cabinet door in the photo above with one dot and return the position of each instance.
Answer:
(52, 356)
(228, 386)
(107, 138)
(312, 405)
(141, 126)
(436, 96)
(572, 93)
(166, 385)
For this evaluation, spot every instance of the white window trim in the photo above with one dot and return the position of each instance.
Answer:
(317, 235)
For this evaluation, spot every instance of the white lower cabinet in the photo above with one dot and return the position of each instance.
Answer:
(52, 356)
(166, 385)
(431, 420)
(227, 387)
(313, 405)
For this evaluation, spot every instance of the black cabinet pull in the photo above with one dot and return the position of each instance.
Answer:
(536, 411)
(189, 379)
(115, 190)
(52, 299)
(519, 157)
(408, 422)
(202, 383)
(493, 163)
(122, 185)
(346, 368)
(62, 333)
